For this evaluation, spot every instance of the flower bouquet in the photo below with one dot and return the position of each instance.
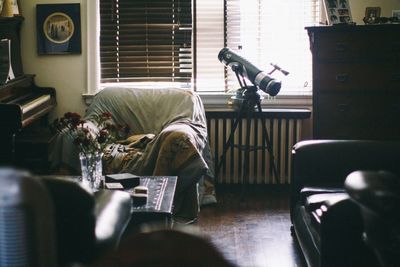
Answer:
(90, 138)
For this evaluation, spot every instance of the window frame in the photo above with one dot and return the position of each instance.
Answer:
(210, 99)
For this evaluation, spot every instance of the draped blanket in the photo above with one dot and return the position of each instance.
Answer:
(168, 137)
(175, 152)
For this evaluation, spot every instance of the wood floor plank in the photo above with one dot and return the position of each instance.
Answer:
(253, 230)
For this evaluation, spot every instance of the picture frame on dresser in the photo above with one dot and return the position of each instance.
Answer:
(372, 12)
(337, 12)
(396, 14)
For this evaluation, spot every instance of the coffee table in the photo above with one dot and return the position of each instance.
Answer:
(159, 206)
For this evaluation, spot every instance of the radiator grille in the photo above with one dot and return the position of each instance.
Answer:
(283, 133)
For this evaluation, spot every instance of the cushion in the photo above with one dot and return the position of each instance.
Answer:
(316, 200)
(311, 190)
(75, 221)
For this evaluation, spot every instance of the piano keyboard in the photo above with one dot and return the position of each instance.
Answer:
(34, 103)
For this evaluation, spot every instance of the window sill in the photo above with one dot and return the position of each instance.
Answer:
(218, 100)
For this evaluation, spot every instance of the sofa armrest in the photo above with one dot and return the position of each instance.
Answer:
(333, 160)
(341, 235)
(74, 219)
(112, 213)
(376, 191)
(330, 161)
(326, 163)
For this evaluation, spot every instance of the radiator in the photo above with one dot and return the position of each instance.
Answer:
(283, 132)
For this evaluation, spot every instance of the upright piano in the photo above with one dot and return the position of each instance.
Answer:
(23, 104)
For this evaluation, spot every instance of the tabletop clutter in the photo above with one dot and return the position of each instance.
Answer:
(121, 181)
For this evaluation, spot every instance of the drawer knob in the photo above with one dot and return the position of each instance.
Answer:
(341, 47)
(342, 77)
(342, 107)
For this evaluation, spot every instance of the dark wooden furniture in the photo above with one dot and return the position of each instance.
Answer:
(159, 205)
(32, 147)
(22, 103)
(356, 81)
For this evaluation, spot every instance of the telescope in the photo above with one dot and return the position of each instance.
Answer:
(247, 70)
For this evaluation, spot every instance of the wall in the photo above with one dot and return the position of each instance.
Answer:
(66, 73)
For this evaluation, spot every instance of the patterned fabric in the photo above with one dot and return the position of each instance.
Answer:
(175, 153)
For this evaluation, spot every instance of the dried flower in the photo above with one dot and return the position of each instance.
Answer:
(86, 137)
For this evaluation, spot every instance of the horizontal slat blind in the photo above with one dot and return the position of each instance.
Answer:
(209, 41)
(146, 41)
(272, 31)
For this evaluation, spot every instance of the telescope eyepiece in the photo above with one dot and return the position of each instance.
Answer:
(273, 87)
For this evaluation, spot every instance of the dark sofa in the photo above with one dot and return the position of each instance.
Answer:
(326, 222)
(48, 221)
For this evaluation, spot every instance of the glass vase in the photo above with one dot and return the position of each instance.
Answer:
(92, 170)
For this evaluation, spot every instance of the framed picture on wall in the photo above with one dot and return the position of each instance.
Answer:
(337, 12)
(58, 29)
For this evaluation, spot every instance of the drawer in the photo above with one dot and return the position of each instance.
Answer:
(341, 46)
(356, 46)
(386, 133)
(347, 77)
(364, 116)
(342, 108)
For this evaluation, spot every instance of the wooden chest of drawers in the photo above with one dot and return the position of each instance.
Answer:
(356, 81)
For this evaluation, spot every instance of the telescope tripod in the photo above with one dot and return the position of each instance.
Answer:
(250, 104)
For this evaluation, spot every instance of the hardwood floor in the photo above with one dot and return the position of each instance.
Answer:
(254, 231)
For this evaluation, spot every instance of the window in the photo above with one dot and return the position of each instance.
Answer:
(264, 32)
(147, 41)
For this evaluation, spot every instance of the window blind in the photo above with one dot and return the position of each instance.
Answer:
(272, 31)
(146, 41)
(209, 41)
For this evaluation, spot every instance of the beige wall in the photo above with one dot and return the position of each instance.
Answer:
(67, 73)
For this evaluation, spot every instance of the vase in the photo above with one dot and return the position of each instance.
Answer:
(92, 170)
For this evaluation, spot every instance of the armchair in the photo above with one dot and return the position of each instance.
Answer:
(168, 137)
(326, 222)
(47, 221)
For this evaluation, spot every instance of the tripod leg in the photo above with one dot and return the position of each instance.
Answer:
(245, 170)
(229, 142)
(269, 145)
